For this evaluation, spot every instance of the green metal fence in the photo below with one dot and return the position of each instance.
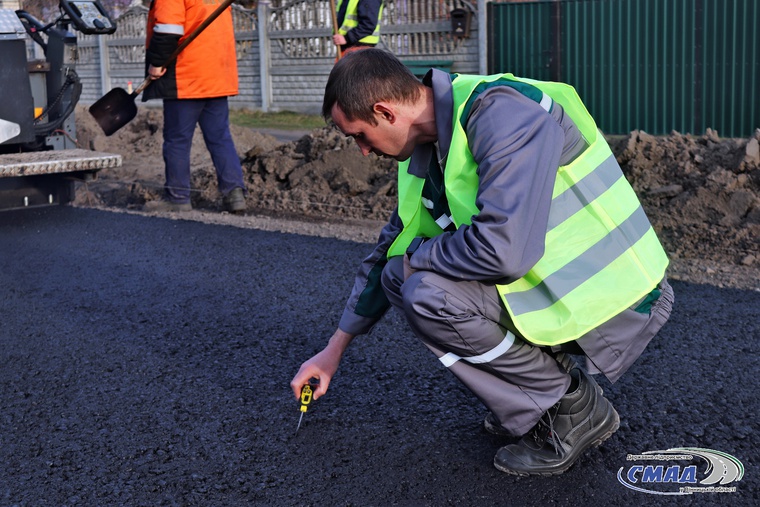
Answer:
(653, 65)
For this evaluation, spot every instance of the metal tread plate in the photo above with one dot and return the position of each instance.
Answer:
(10, 25)
(56, 161)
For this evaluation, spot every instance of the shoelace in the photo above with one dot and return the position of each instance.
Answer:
(545, 429)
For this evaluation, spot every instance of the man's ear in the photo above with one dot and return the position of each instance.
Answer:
(385, 111)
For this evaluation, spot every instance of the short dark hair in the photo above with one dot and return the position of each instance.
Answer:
(364, 77)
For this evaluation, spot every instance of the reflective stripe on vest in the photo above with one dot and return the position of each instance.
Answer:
(601, 253)
(351, 20)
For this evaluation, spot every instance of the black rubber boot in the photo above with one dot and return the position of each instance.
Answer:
(581, 419)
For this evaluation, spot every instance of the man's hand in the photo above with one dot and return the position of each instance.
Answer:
(155, 72)
(413, 246)
(322, 366)
(407, 268)
(339, 40)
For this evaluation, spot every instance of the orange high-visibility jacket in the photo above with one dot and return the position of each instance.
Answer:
(207, 67)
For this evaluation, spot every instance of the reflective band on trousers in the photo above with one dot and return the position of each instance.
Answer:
(498, 351)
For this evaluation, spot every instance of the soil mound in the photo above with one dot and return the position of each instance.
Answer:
(701, 193)
(321, 174)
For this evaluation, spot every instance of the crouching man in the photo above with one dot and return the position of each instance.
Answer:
(517, 243)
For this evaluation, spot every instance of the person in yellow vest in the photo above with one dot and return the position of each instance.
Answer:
(519, 254)
(358, 24)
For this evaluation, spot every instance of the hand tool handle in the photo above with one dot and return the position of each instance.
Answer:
(306, 396)
(335, 23)
(190, 38)
(195, 33)
(142, 86)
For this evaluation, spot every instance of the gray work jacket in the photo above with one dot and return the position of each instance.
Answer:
(518, 148)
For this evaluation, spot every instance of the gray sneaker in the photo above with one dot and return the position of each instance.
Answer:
(234, 202)
(580, 420)
(163, 206)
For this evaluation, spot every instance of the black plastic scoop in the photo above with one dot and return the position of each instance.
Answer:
(117, 107)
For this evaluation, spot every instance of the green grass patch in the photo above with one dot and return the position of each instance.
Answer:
(285, 120)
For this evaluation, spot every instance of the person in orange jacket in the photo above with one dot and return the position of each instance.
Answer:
(194, 88)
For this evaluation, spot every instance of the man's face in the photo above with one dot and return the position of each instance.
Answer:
(389, 138)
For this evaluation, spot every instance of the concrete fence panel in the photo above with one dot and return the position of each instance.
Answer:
(291, 72)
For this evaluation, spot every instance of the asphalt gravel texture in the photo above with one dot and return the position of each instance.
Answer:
(146, 362)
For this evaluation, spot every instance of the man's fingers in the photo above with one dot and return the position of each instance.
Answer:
(322, 388)
(303, 377)
(156, 72)
(298, 382)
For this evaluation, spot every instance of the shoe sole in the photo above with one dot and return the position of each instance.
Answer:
(590, 441)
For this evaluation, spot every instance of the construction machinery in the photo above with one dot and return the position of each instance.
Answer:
(40, 161)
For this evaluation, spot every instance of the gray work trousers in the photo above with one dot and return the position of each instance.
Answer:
(466, 326)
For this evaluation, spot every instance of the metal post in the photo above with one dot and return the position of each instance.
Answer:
(264, 53)
(482, 37)
(105, 65)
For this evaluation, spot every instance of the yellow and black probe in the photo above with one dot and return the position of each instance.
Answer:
(306, 396)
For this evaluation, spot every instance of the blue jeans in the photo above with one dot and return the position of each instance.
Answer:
(180, 119)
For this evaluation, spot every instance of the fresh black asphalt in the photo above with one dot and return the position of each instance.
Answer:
(146, 362)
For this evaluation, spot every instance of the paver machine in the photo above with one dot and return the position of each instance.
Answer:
(40, 161)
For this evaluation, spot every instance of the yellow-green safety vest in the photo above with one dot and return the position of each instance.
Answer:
(601, 254)
(351, 20)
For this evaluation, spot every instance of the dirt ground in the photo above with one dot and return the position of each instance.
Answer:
(701, 193)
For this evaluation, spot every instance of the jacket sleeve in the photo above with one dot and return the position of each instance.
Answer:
(168, 19)
(367, 302)
(517, 165)
(367, 13)
(160, 49)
